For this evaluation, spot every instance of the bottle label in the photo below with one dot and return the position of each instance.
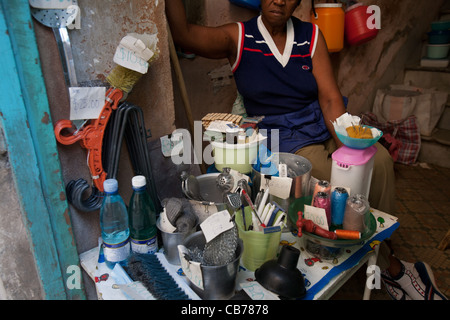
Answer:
(144, 246)
(116, 252)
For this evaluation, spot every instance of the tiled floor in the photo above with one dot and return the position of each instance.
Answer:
(423, 211)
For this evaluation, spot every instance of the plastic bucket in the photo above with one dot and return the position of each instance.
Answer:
(219, 282)
(438, 51)
(330, 18)
(239, 157)
(356, 30)
(258, 246)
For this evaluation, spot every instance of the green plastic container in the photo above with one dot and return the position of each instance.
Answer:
(438, 51)
(258, 246)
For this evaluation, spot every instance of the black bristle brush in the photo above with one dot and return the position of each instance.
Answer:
(147, 269)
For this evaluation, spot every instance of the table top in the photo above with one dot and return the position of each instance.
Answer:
(322, 277)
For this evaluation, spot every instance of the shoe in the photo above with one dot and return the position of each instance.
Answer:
(427, 277)
(414, 282)
(393, 288)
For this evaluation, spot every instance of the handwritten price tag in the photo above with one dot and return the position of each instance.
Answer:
(86, 102)
(216, 224)
(316, 215)
(133, 54)
(279, 186)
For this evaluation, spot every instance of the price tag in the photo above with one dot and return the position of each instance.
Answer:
(191, 269)
(279, 187)
(86, 102)
(216, 224)
(316, 215)
(133, 54)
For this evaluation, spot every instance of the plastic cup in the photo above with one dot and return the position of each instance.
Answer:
(259, 247)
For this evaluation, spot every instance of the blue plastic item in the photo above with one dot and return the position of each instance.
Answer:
(439, 37)
(250, 4)
(356, 143)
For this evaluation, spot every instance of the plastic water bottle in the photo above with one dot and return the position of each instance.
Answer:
(114, 226)
(142, 217)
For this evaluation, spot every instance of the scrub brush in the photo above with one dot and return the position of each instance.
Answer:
(147, 269)
(141, 48)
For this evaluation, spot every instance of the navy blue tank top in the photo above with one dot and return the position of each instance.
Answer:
(281, 86)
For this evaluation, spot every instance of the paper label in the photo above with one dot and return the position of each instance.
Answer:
(116, 253)
(257, 292)
(316, 215)
(147, 246)
(216, 224)
(133, 54)
(191, 269)
(86, 102)
(279, 187)
(171, 146)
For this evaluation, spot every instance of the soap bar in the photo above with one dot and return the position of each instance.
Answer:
(359, 132)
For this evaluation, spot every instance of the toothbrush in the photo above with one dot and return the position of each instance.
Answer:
(250, 203)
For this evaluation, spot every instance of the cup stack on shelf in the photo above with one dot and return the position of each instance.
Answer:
(438, 45)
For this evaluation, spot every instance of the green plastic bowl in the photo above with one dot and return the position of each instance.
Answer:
(356, 143)
(437, 51)
(440, 25)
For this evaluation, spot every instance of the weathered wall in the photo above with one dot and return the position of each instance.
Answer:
(18, 276)
(361, 70)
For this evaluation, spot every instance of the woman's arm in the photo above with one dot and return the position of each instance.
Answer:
(330, 97)
(209, 42)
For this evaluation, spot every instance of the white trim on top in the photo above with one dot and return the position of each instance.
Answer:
(283, 59)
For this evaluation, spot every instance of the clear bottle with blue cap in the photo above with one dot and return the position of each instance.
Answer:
(114, 225)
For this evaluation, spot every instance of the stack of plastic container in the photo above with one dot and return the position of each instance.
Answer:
(438, 45)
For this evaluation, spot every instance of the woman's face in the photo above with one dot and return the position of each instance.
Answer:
(277, 12)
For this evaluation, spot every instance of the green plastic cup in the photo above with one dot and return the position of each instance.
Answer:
(259, 247)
